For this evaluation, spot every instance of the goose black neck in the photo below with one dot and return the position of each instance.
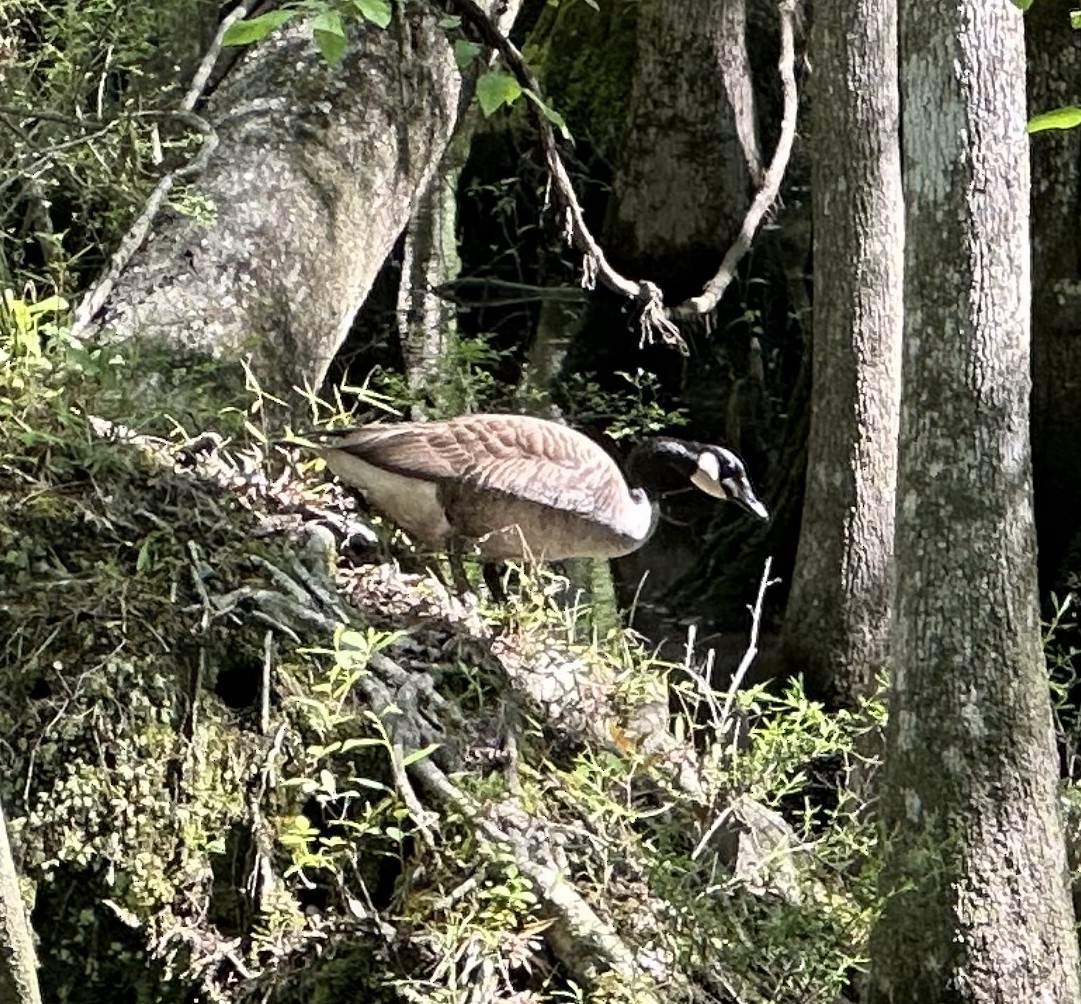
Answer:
(660, 465)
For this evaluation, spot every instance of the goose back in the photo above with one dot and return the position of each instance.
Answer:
(514, 485)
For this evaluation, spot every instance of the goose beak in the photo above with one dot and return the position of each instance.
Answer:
(756, 506)
(740, 490)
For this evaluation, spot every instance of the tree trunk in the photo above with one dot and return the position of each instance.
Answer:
(976, 905)
(838, 611)
(690, 151)
(318, 170)
(426, 321)
(18, 961)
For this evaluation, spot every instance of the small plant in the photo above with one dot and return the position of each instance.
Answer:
(635, 411)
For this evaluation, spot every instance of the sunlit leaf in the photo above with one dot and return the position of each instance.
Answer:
(253, 29)
(419, 754)
(329, 36)
(1075, 20)
(551, 115)
(1066, 117)
(1022, 4)
(376, 11)
(465, 52)
(496, 89)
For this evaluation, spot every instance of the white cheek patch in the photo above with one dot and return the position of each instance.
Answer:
(708, 476)
(709, 466)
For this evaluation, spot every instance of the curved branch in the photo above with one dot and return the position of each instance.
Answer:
(653, 321)
(771, 182)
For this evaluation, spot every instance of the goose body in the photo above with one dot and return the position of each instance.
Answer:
(517, 487)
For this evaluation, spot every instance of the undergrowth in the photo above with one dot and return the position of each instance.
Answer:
(203, 807)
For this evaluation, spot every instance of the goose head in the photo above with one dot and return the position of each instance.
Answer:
(663, 464)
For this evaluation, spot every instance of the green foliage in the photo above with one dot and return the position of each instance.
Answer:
(329, 34)
(636, 411)
(328, 23)
(551, 115)
(88, 104)
(136, 792)
(255, 29)
(495, 89)
(465, 52)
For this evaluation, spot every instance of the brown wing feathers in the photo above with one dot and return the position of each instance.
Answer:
(516, 455)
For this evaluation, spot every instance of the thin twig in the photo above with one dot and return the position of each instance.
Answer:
(98, 293)
(752, 647)
(264, 696)
(210, 57)
(771, 182)
(96, 296)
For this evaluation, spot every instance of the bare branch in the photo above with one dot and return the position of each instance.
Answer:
(771, 182)
(653, 322)
(751, 652)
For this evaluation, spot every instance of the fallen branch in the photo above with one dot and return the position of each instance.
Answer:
(584, 942)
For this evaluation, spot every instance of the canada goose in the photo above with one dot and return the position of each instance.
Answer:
(514, 487)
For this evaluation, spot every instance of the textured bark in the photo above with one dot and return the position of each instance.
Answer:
(426, 321)
(317, 172)
(690, 153)
(976, 888)
(1054, 73)
(838, 612)
(18, 962)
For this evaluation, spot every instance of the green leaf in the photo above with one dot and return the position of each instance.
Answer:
(496, 89)
(253, 29)
(50, 303)
(1067, 117)
(1022, 4)
(551, 115)
(465, 52)
(1075, 20)
(376, 11)
(351, 744)
(419, 754)
(329, 36)
(450, 21)
(321, 751)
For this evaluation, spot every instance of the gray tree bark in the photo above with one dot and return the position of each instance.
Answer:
(427, 323)
(690, 153)
(977, 906)
(318, 170)
(18, 961)
(837, 620)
